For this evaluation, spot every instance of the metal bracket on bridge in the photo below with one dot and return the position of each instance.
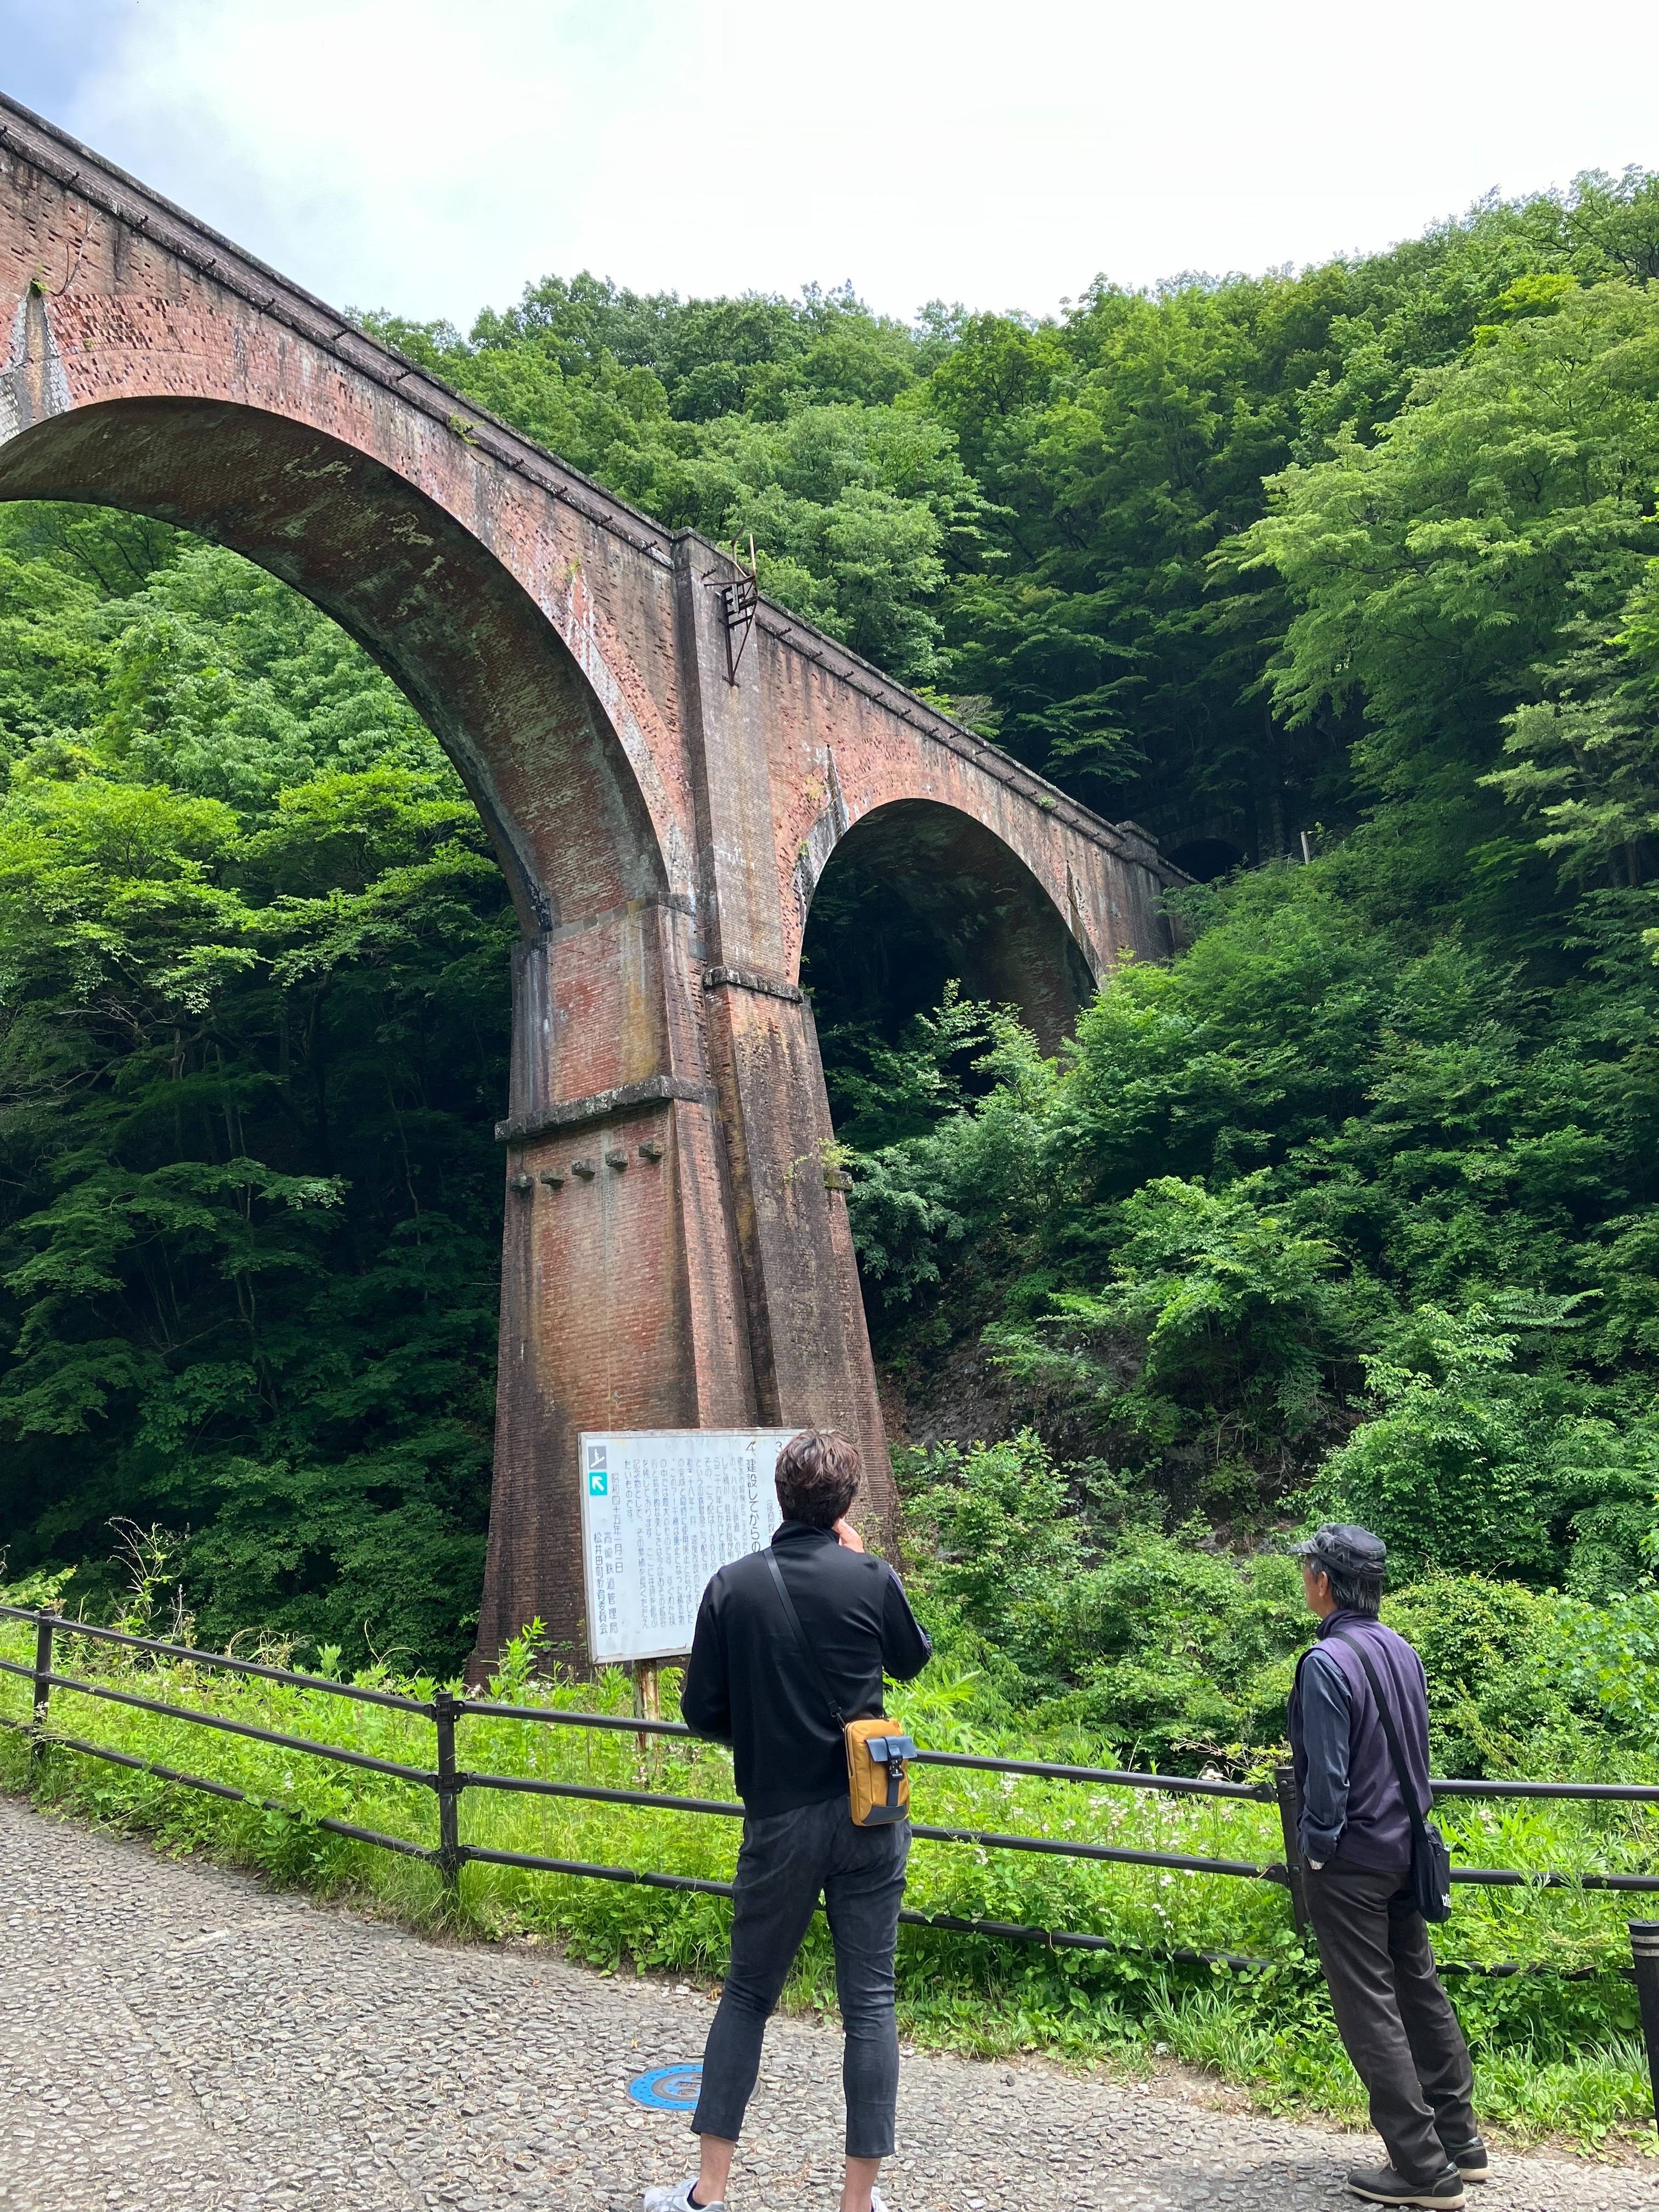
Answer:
(739, 600)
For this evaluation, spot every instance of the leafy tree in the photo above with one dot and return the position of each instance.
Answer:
(251, 1034)
(1205, 1241)
(1469, 1464)
(1581, 763)
(1436, 572)
(1234, 1323)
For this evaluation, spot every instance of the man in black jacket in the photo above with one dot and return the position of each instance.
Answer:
(751, 1685)
(1356, 1839)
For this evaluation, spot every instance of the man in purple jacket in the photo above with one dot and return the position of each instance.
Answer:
(1392, 2013)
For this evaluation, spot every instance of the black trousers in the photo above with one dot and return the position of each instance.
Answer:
(786, 1861)
(1396, 2022)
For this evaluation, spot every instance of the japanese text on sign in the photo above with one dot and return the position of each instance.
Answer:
(661, 1509)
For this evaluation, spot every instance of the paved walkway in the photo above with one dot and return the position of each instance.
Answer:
(178, 2038)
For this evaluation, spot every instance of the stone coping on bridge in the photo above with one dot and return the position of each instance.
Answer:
(604, 1106)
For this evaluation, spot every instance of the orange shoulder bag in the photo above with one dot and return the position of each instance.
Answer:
(878, 1756)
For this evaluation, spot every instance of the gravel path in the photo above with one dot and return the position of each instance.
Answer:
(178, 2038)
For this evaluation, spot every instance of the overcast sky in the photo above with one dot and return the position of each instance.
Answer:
(431, 159)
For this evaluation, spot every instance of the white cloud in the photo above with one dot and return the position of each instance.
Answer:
(399, 153)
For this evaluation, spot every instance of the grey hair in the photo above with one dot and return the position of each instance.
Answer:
(1354, 1593)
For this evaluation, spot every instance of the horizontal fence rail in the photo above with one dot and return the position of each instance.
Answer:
(1112, 1778)
(243, 1797)
(223, 1659)
(303, 1743)
(449, 1781)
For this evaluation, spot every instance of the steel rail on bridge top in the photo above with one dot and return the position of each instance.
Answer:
(447, 1780)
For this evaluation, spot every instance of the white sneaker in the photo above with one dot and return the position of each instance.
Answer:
(678, 2199)
(877, 2202)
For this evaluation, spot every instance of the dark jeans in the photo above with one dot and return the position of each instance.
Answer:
(1392, 2013)
(785, 1861)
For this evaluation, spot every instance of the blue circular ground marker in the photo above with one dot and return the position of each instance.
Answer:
(668, 2088)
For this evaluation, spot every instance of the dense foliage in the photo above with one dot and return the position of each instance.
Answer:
(1095, 1623)
(1025, 514)
(1352, 1205)
(1332, 1212)
(254, 1028)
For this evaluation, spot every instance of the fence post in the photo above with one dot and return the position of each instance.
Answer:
(449, 1823)
(1289, 1822)
(1645, 1949)
(43, 1628)
(43, 1625)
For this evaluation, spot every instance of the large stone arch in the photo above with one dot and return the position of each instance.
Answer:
(1008, 939)
(572, 803)
(460, 635)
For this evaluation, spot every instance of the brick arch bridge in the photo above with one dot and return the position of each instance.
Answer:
(665, 784)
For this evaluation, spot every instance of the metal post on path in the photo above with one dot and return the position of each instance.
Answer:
(1644, 1950)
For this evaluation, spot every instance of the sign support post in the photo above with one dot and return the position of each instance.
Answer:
(648, 1697)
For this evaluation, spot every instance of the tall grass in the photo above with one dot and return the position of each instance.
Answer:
(1554, 2057)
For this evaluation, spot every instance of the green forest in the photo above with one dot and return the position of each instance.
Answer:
(1345, 583)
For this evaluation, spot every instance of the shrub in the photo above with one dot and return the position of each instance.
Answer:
(1474, 1464)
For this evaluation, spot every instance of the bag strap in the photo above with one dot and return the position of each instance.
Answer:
(1407, 1787)
(805, 1649)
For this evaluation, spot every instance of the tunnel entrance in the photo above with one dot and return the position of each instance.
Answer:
(1207, 859)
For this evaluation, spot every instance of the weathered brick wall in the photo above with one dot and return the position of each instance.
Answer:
(674, 1253)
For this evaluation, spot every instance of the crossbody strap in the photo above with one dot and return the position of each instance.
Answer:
(799, 1634)
(1407, 1787)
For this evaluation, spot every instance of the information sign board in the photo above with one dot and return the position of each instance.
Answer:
(661, 1509)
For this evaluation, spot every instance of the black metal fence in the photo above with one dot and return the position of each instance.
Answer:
(447, 1779)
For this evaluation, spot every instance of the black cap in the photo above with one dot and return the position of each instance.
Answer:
(1342, 1546)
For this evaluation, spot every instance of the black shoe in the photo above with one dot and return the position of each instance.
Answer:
(1381, 2185)
(1469, 2159)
